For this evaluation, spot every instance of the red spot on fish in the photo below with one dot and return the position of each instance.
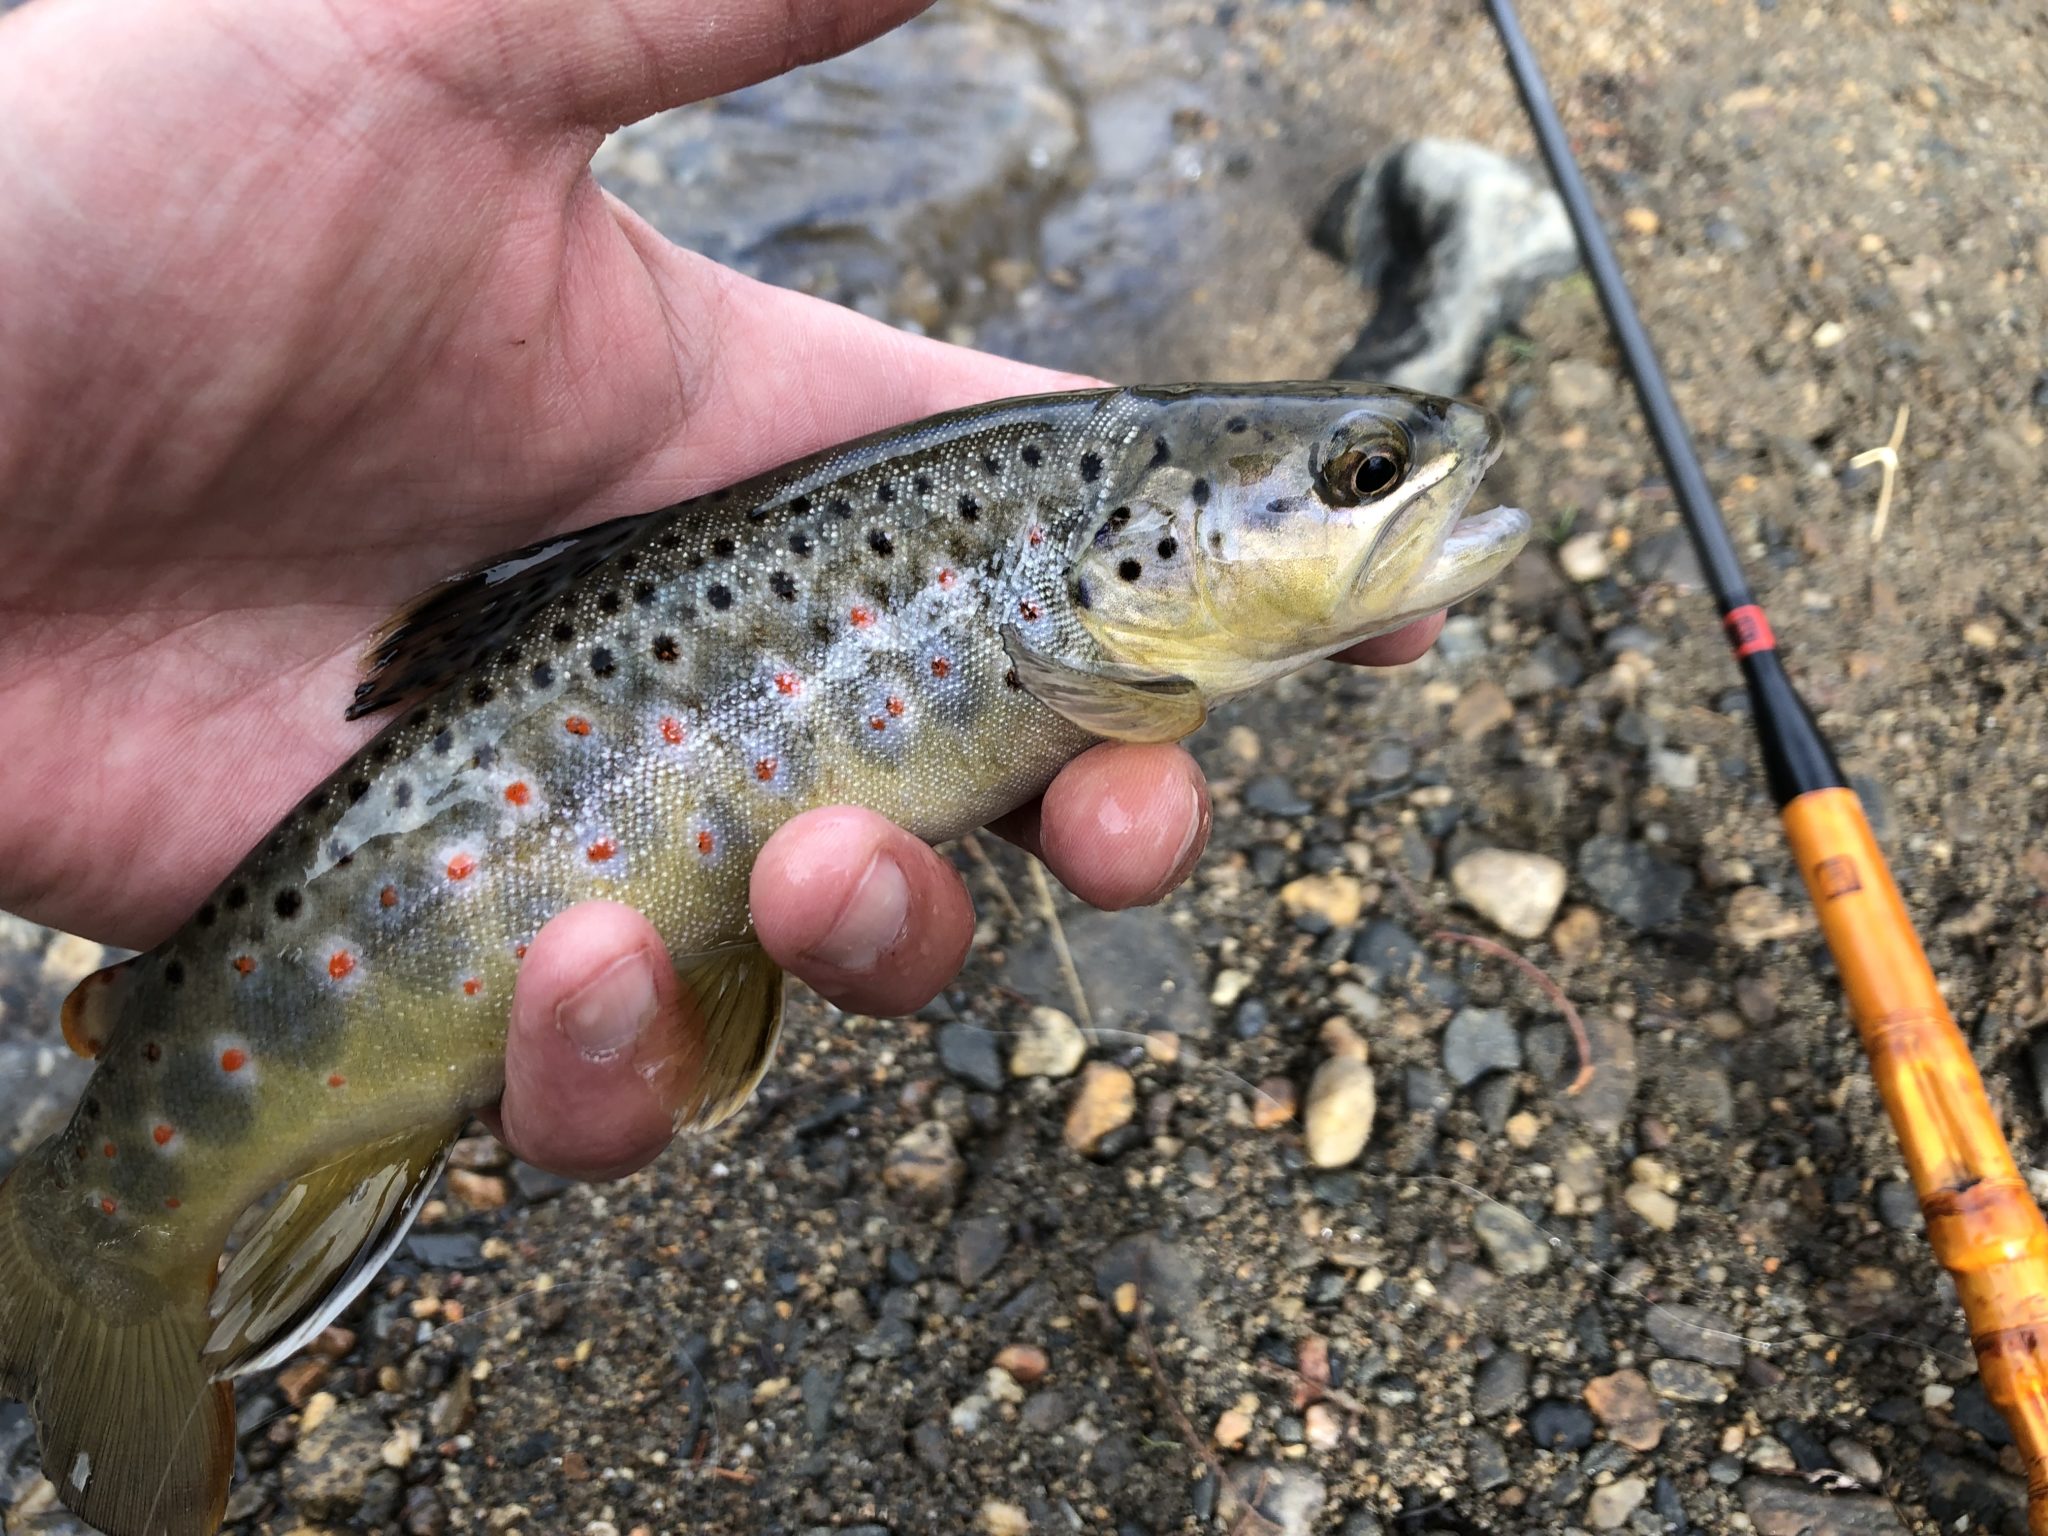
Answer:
(764, 770)
(788, 683)
(244, 965)
(461, 867)
(672, 730)
(109, 1151)
(471, 985)
(109, 1207)
(601, 850)
(861, 618)
(518, 951)
(1037, 537)
(894, 706)
(940, 666)
(518, 793)
(877, 723)
(576, 725)
(340, 963)
(388, 897)
(337, 1081)
(162, 1135)
(705, 844)
(173, 1203)
(946, 578)
(233, 1060)
(1027, 607)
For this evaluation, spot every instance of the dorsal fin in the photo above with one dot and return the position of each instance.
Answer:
(447, 630)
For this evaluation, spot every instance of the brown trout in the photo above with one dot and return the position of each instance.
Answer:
(929, 622)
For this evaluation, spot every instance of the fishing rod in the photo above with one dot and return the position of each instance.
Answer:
(1984, 1225)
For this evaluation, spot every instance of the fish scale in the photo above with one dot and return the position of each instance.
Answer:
(928, 623)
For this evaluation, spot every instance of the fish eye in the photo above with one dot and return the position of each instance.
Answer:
(1359, 475)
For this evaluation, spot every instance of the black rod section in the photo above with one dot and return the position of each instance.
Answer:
(1667, 427)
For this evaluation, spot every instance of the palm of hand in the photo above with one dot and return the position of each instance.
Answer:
(376, 322)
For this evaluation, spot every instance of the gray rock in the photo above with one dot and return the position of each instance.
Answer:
(1166, 1278)
(1693, 1333)
(1779, 1506)
(1486, 1462)
(1557, 1424)
(1516, 1244)
(1501, 1384)
(972, 1055)
(1139, 969)
(979, 1244)
(328, 1475)
(1287, 1498)
(1578, 384)
(1687, 1381)
(1478, 1041)
(1272, 795)
(1633, 883)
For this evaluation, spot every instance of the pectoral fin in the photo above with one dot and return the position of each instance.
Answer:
(725, 1039)
(1120, 703)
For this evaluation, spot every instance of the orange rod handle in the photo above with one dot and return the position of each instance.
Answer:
(1984, 1225)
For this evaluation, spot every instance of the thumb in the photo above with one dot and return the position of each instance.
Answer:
(597, 1006)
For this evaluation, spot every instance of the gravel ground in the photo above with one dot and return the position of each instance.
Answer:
(1308, 1234)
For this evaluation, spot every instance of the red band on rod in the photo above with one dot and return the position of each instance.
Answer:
(1749, 631)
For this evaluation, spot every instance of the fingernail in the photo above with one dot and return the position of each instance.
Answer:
(871, 922)
(608, 1013)
(1191, 841)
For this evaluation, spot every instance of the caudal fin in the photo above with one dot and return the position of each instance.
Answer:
(137, 1438)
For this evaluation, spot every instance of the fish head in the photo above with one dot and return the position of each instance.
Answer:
(1251, 532)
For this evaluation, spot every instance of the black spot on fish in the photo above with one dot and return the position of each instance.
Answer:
(784, 586)
(669, 540)
(608, 601)
(880, 542)
(443, 740)
(800, 542)
(1030, 455)
(1081, 597)
(991, 463)
(643, 592)
(565, 631)
(665, 648)
(885, 493)
(718, 596)
(383, 752)
(1160, 453)
(338, 851)
(91, 1108)
(687, 612)
(401, 793)
(602, 662)
(821, 629)
(511, 656)
(1010, 677)
(316, 801)
(758, 512)
(152, 1052)
(480, 693)
(484, 756)
(694, 560)
(630, 560)
(1168, 547)
(237, 897)
(923, 484)
(970, 509)
(357, 788)
(1130, 570)
(543, 675)
(1237, 424)
(288, 903)
(207, 915)
(1199, 493)
(800, 506)
(839, 506)
(174, 973)
(722, 547)
(1091, 465)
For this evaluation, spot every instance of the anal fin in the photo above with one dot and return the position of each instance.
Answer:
(1115, 702)
(325, 1240)
(731, 1021)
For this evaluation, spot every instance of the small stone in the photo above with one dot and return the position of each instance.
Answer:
(923, 1165)
(1478, 1041)
(1026, 1363)
(1273, 1103)
(1583, 557)
(1340, 1039)
(970, 1054)
(1517, 892)
(1001, 1519)
(1228, 987)
(1558, 1425)
(1653, 1205)
(425, 1514)
(1271, 795)
(1857, 1459)
(1483, 707)
(1641, 221)
(1501, 1384)
(1522, 1130)
(1624, 1404)
(1486, 1466)
(1633, 883)
(1757, 915)
(1898, 1207)
(1233, 1428)
(1515, 1244)
(1286, 1499)
(1106, 1101)
(1338, 1121)
(328, 1475)
(70, 959)
(1049, 1045)
(1687, 1381)
(478, 1191)
(1779, 1506)
(1336, 898)
(979, 1244)
(1693, 1333)
(1577, 935)
(1674, 770)
(1390, 762)
(1828, 335)
(479, 1154)
(1579, 385)
(1610, 1506)
(1322, 1428)
(301, 1379)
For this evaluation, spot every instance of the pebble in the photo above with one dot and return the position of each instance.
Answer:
(1633, 883)
(923, 1166)
(1576, 938)
(478, 1191)
(1577, 384)
(971, 1055)
(1693, 1333)
(1026, 1363)
(1389, 762)
(329, 1473)
(1779, 1506)
(1272, 795)
(1486, 1464)
(1624, 1404)
(1757, 915)
(1478, 1041)
(979, 1244)
(1610, 1506)
(1558, 1425)
(1463, 638)
(1105, 1102)
(1338, 1119)
(1583, 557)
(1501, 1384)
(1273, 1104)
(1322, 1428)
(1338, 899)
(1233, 1428)
(1519, 893)
(1483, 707)
(1287, 1499)
(1653, 1205)
(1002, 1519)
(1049, 1045)
(1522, 1130)
(1516, 1244)
(1687, 1381)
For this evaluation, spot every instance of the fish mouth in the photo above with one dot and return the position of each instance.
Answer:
(1475, 549)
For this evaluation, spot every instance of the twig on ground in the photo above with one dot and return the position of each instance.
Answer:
(1550, 989)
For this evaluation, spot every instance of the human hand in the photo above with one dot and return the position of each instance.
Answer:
(324, 305)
